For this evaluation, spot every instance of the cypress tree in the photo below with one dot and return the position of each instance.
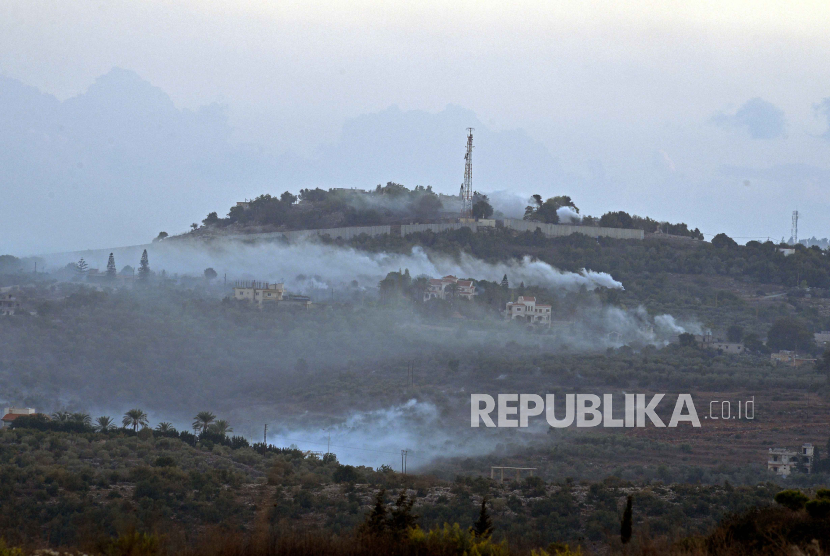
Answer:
(144, 267)
(111, 268)
(401, 517)
(625, 525)
(377, 520)
(483, 527)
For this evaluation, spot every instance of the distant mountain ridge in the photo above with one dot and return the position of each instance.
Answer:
(120, 162)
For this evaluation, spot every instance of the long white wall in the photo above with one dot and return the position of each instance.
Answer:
(559, 230)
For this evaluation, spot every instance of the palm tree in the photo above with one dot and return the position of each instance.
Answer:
(104, 423)
(82, 418)
(61, 416)
(221, 427)
(164, 426)
(203, 420)
(135, 418)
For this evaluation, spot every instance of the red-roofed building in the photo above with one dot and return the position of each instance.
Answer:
(12, 413)
(442, 288)
(526, 309)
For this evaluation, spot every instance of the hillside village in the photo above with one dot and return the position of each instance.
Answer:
(754, 318)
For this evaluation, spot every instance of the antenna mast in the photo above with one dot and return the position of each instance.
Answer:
(467, 186)
(795, 228)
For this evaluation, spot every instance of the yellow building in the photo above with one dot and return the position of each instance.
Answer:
(258, 292)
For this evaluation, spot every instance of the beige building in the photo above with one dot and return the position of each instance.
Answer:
(295, 302)
(709, 342)
(783, 356)
(12, 413)
(822, 339)
(790, 358)
(526, 309)
(441, 288)
(258, 292)
(784, 461)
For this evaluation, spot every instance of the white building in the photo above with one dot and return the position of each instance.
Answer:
(9, 304)
(784, 461)
(12, 413)
(258, 292)
(442, 288)
(526, 309)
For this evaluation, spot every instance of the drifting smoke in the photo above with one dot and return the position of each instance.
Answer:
(430, 431)
(567, 215)
(509, 204)
(615, 327)
(332, 266)
(377, 437)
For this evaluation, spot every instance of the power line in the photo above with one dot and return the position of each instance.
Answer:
(339, 446)
(738, 237)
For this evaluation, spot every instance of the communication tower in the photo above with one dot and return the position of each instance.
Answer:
(467, 186)
(795, 228)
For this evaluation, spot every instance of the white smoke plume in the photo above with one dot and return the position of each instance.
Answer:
(509, 204)
(610, 326)
(568, 215)
(333, 266)
(377, 437)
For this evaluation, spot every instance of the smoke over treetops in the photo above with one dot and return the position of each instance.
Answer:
(334, 265)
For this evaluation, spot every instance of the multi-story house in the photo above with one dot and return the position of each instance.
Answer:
(526, 309)
(449, 286)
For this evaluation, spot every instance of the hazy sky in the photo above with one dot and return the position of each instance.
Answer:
(713, 113)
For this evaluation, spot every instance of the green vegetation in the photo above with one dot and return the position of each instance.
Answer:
(173, 349)
(318, 208)
(81, 489)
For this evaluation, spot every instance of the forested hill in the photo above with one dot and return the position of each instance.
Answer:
(396, 204)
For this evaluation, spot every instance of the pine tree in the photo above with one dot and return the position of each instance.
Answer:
(483, 527)
(144, 267)
(111, 268)
(82, 266)
(504, 283)
(625, 525)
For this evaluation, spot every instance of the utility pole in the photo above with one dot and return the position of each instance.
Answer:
(265, 435)
(403, 461)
